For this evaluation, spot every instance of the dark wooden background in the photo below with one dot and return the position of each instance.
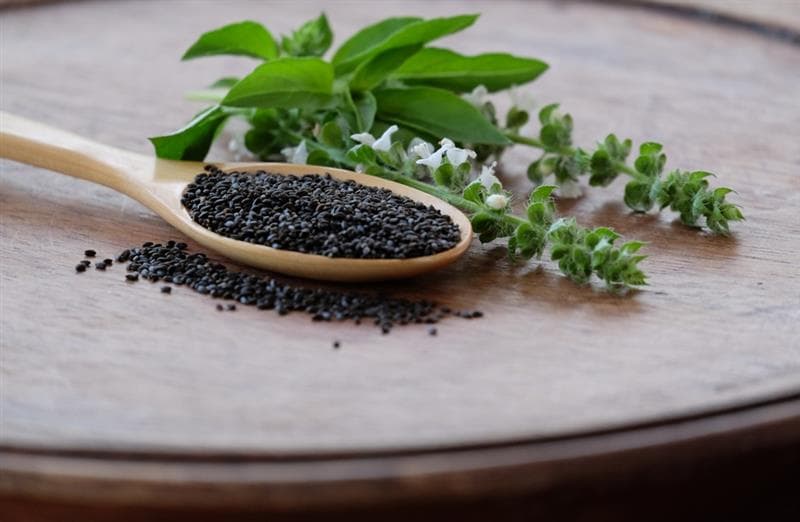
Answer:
(563, 401)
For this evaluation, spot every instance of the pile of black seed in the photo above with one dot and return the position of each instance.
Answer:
(317, 215)
(172, 263)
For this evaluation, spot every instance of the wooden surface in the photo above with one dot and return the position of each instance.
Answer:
(93, 368)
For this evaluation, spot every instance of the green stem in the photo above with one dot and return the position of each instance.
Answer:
(356, 112)
(568, 151)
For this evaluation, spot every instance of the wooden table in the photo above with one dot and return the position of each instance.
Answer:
(564, 402)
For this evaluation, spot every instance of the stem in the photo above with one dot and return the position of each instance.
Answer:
(356, 112)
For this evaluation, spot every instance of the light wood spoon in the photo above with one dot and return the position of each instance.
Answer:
(158, 184)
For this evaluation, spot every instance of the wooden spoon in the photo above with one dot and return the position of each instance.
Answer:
(158, 184)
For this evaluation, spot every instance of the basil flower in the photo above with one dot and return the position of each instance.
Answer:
(384, 143)
(477, 97)
(497, 201)
(365, 138)
(434, 159)
(458, 156)
(487, 177)
(420, 148)
(297, 154)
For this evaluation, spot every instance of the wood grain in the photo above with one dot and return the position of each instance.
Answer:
(90, 364)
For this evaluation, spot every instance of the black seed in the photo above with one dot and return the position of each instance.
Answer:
(80, 267)
(124, 256)
(317, 214)
(205, 276)
(477, 313)
(166, 289)
(86, 262)
(336, 345)
(100, 265)
(89, 253)
(108, 261)
(432, 331)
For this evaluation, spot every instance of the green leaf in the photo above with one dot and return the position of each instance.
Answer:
(542, 193)
(331, 135)
(474, 192)
(224, 83)
(243, 38)
(393, 33)
(450, 70)
(482, 222)
(373, 72)
(637, 196)
(192, 141)
(367, 107)
(370, 36)
(444, 175)
(362, 154)
(516, 118)
(313, 38)
(305, 83)
(438, 112)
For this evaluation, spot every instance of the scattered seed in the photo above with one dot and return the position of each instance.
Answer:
(432, 331)
(317, 214)
(336, 345)
(86, 262)
(174, 263)
(89, 253)
(124, 256)
(477, 313)
(80, 267)
(108, 261)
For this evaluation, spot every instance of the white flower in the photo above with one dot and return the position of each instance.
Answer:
(384, 143)
(420, 148)
(297, 154)
(497, 201)
(487, 177)
(360, 167)
(521, 99)
(365, 138)
(458, 156)
(570, 190)
(477, 97)
(433, 160)
(447, 143)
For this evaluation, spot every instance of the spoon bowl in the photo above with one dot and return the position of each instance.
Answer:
(159, 184)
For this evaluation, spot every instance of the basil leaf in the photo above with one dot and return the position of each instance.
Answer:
(406, 33)
(367, 107)
(438, 112)
(370, 37)
(371, 73)
(244, 38)
(305, 83)
(313, 38)
(192, 141)
(450, 70)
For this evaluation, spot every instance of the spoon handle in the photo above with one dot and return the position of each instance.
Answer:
(43, 146)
